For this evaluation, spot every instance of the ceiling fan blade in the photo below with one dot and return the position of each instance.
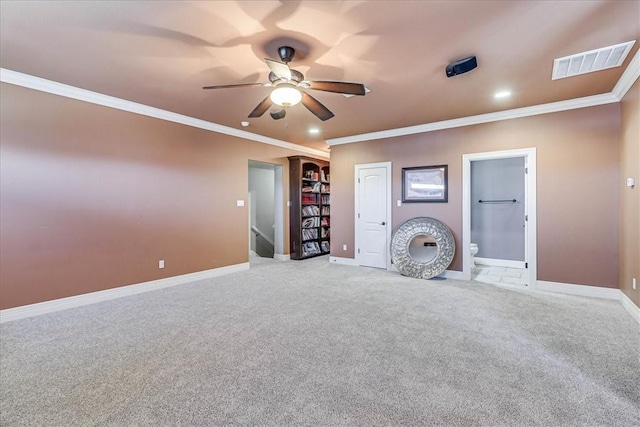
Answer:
(316, 107)
(237, 85)
(339, 87)
(261, 108)
(279, 69)
(277, 115)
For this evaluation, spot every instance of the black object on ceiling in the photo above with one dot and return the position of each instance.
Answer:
(462, 66)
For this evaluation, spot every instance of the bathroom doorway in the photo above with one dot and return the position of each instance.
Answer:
(499, 217)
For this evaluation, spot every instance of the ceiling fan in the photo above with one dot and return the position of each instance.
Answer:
(288, 82)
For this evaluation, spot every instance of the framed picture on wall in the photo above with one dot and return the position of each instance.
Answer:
(425, 184)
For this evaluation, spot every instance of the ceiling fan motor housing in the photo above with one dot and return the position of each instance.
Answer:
(287, 84)
(286, 53)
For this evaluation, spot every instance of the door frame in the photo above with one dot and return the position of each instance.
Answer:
(389, 226)
(279, 217)
(529, 155)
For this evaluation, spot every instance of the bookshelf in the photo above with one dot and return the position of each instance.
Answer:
(310, 212)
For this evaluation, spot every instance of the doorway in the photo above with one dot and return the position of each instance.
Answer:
(499, 216)
(373, 215)
(266, 212)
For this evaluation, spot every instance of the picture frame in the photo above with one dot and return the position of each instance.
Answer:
(425, 184)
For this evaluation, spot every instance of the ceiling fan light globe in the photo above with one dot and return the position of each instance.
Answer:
(286, 96)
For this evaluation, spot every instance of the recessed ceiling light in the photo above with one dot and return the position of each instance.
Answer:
(502, 94)
(314, 131)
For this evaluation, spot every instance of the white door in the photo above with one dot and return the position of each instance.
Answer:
(373, 219)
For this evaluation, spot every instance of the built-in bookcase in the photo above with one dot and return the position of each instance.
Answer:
(310, 214)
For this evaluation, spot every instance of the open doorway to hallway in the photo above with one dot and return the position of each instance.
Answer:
(266, 215)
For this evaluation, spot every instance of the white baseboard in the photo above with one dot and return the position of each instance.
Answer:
(448, 274)
(37, 309)
(633, 309)
(499, 262)
(282, 257)
(582, 290)
(344, 261)
(454, 275)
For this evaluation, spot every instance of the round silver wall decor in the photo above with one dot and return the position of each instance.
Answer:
(422, 247)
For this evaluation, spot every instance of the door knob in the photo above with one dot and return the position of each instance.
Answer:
(383, 223)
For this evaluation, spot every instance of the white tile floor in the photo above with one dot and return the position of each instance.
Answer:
(499, 275)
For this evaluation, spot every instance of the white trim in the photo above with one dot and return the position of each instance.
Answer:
(389, 222)
(11, 314)
(454, 275)
(553, 107)
(448, 274)
(633, 309)
(531, 209)
(282, 257)
(278, 196)
(343, 261)
(628, 78)
(581, 290)
(499, 262)
(49, 86)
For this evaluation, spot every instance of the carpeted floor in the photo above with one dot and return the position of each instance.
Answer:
(309, 343)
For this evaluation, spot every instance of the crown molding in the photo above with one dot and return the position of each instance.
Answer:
(628, 78)
(553, 107)
(55, 88)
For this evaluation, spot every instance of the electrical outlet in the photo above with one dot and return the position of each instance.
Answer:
(634, 283)
(344, 247)
(161, 263)
(239, 202)
(399, 202)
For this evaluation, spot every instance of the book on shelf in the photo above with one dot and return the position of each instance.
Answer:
(310, 248)
(326, 247)
(311, 210)
(325, 210)
(326, 233)
(309, 233)
(313, 221)
(326, 200)
(315, 188)
(325, 188)
(309, 198)
(325, 221)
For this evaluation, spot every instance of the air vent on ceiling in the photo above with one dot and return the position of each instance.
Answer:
(593, 60)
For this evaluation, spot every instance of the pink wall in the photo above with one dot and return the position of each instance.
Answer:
(578, 171)
(93, 197)
(630, 197)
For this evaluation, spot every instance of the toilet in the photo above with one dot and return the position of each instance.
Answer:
(473, 249)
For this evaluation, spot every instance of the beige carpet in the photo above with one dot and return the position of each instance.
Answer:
(309, 343)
